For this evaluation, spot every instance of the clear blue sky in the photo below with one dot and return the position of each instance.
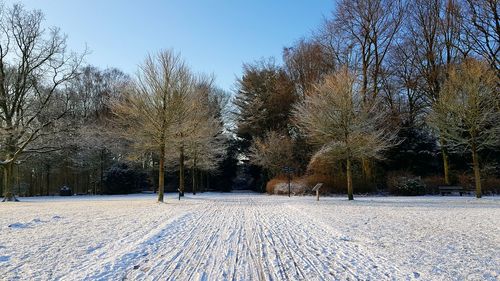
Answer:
(213, 36)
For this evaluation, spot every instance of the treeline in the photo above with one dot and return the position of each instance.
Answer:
(390, 95)
(101, 131)
(386, 95)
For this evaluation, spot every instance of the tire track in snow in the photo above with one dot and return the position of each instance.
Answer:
(312, 243)
(288, 234)
(203, 235)
(257, 237)
(242, 238)
(218, 227)
(376, 267)
(180, 244)
(253, 242)
(297, 251)
(283, 268)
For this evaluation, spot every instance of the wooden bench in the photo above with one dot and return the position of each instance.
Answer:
(443, 189)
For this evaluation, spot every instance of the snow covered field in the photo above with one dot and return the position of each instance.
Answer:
(250, 237)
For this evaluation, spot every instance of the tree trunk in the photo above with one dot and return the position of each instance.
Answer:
(446, 165)
(101, 175)
(194, 179)
(153, 172)
(364, 83)
(31, 187)
(181, 171)
(350, 195)
(161, 174)
(7, 182)
(48, 179)
(201, 181)
(193, 175)
(75, 180)
(367, 170)
(477, 174)
(18, 183)
(208, 182)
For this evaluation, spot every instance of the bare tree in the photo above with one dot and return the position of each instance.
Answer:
(91, 93)
(371, 26)
(193, 127)
(412, 104)
(154, 105)
(433, 37)
(273, 152)
(207, 151)
(482, 24)
(34, 67)
(467, 112)
(306, 63)
(205, 144)
(347, 129)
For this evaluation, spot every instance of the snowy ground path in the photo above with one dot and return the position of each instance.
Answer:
(250, 237)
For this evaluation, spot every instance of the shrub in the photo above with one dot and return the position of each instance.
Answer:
(489, 183)
(432, 183)
(123, 179)
(337, 184)
(280, 186)
(330, 185)
(466, 180)
(271, 184)
(403, 183)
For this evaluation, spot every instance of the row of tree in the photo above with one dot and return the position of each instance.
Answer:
(63, 123)
(412, 83)
(174, 114)
(404, 81)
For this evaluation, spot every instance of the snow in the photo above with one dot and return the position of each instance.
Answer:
(215, 236)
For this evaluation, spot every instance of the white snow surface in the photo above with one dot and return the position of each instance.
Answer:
(215, 236)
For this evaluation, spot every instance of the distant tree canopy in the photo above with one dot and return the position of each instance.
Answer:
(467, 113)
(121, 178)
(337, 118)
(402, 57)
(35, 67)
(170, 112)
(380, 92)
(97, 131)
(264, 100)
